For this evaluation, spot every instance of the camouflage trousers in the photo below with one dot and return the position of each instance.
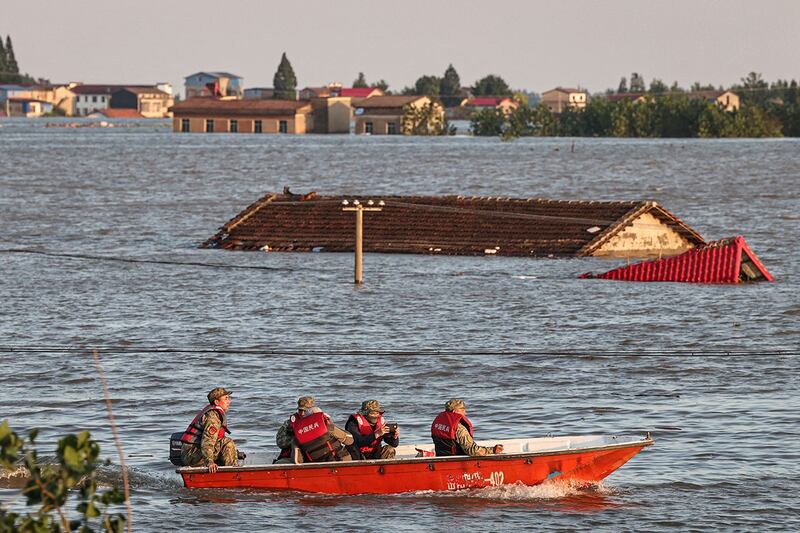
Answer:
(224, 453)
(386, 452)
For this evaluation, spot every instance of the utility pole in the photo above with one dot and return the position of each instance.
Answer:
(359, 208)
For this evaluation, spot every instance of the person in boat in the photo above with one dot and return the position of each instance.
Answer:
(452, 433)
(205, 442)
(370, 431)
(285, 436)
(317, 437)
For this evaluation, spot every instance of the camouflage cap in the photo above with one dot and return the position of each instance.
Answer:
(455, 403)
(305, 402)
(370, 405)
(218, 393)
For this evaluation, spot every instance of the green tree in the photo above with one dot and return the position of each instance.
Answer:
(3, 65)
(450, 87)
(427, 86)
(658, 87)
(426, 120)
(382, 85)
(284, 81)
(487, 122)
(360, 82)
(49, 487)
(491, 85)
(11, 60)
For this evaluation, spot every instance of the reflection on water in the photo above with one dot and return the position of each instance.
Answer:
(147, 194)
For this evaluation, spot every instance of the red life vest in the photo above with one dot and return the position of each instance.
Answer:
(194, 433)
(443, 432)
(314, 438)
(366, 428)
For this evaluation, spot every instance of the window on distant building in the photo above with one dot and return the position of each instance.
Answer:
(257, 126)
(102, 99)
(185, 125)
(391, 128)
(283, 127)
(94, 99)
(209, 125)
(368, 127)
(233, 126)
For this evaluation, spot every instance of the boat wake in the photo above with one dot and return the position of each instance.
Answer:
(552, 490)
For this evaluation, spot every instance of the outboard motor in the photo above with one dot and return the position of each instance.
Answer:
(175, 445)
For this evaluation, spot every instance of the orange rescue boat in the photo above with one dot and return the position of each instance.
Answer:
(577, 459)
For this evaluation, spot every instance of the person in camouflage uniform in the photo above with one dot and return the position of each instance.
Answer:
(285, 436)
(205, 442)
(370, 432)
(452, 432)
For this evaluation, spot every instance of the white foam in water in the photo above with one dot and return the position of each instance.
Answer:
(553, 490)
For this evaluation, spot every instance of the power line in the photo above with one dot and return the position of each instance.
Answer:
(441, 352)
(147, 261)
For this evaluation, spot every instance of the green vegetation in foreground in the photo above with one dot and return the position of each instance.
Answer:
(50, 486)
(766, 111)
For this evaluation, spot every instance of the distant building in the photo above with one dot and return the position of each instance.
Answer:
(213, 115)
(150, 102)
(307, 93)
(213, 84)
(385, 115)
(560, 98)
(729, 100)
(333, 90)
(259, 93)
(506, 105)
(26, 107)
(91, 98)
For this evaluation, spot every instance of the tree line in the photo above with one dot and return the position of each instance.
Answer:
(766, 110)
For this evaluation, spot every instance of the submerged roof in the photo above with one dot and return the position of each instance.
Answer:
(455, 225)
(724, 261)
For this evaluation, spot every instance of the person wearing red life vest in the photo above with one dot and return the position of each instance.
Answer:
(318, 437)
(452, 432)
(284, 438)
(370, 430)
(204, 441)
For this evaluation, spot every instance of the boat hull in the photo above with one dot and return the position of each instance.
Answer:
(586, 466)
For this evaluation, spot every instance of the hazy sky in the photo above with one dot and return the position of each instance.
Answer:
(534, 45)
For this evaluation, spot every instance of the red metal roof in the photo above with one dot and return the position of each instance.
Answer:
(724, 261)
(455, 225)
(359, 92)
(485, 102)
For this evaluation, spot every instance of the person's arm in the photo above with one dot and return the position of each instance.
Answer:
(341, 435)
(465, 441)
(392, 439)
(359, 439)
(211, 429)
(284, 436)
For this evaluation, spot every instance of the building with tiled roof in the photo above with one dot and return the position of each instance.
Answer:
(459, 225)
(149, 102)
(560, 98)
(506, 105)
(379, 115)
(213, 84)
(213, 115)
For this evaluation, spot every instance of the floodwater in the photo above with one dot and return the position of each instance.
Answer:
(532, 349)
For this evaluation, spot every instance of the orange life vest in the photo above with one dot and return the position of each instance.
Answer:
(366, 428)
(314, 438)
(194, 433)
(443, 432)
